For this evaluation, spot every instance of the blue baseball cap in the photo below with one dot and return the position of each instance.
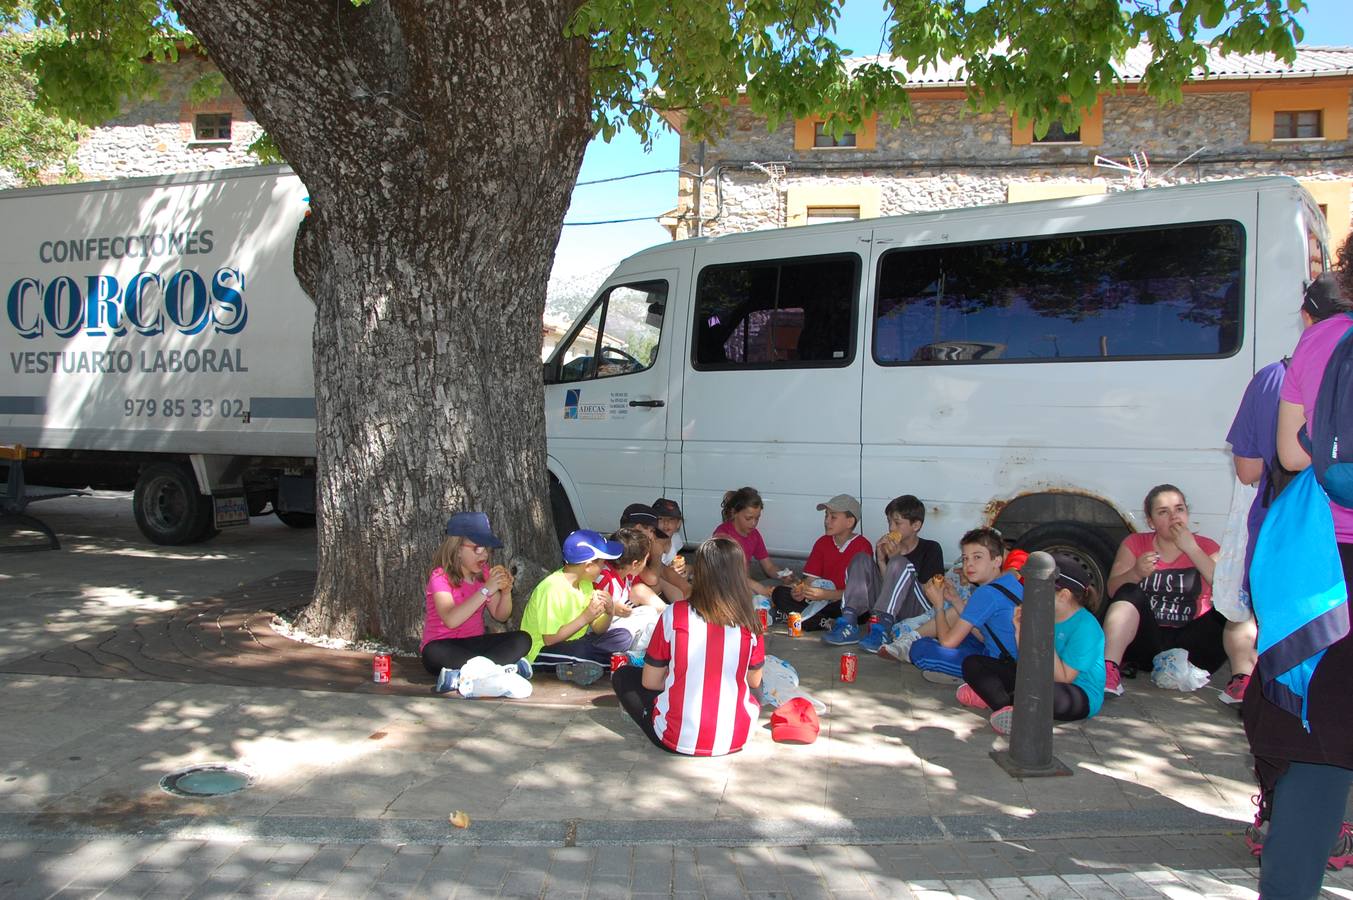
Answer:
(583, 546)
(475, 526)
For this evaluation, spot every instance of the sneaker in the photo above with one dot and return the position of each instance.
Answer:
(447, 681)
(1342, 854)
(842, 633)
(970, 698)
(900, 649)
(1001, 719)
(939, 677)
(875, 639)
(581, 672)
(1113, 678)
(1235, 690)
(523, 668)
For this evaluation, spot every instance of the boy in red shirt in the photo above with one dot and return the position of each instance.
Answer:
(635, 612)
(827, 561)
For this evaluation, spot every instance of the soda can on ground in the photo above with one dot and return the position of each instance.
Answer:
(795, 625)
(619, 661)
(850, 664)
(380, 668)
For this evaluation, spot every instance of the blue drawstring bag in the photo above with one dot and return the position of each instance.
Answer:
(1297, 586)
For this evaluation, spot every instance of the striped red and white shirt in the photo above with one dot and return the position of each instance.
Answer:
(705, 708)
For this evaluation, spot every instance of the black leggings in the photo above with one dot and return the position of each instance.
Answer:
(782, 598)
(637, 700)
(504, 648)
(994, 681)
(1201, 638)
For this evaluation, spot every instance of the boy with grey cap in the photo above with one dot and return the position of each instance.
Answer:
(827, 563)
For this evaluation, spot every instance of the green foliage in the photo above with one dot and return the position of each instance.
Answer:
(35, 145)
(265, 150)
(103, 57)
(1044, 61)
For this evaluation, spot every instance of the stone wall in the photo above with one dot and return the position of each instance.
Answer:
(947, 156)
(155, 137)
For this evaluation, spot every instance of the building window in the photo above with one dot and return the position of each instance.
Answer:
(211, 127)
(1291, 125)
(818, 215)
(1059, 135)
(1169, 291)
(824, 138)
(795, 313)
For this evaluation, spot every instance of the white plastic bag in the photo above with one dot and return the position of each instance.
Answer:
(482, 677)
(1228, 591)
(780, 684)
(1172, 670)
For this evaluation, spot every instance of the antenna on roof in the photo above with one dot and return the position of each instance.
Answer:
(1136, 168)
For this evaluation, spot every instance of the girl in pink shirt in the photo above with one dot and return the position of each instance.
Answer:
(460, 586)
(741, 513)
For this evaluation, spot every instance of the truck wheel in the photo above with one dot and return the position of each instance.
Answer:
(297, 519)
(565, 522)
(168, 507)
(1084, 544)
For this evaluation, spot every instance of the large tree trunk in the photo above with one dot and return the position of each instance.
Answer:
(439, 143)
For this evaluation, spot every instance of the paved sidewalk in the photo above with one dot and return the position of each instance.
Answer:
(152, 659)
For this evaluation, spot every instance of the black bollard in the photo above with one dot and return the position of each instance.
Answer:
(1030, 753)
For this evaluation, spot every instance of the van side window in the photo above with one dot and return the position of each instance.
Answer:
(1171, 291)
(777, 314)
(618, 336)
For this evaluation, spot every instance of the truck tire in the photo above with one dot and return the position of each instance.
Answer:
(1085, 544)
(564, 521)
(168, 507)
(297, 519)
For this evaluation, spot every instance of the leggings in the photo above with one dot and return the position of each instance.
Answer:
(1308, 808)
(994, 681)
(637, 700)
(1201, 638)
(504, 648)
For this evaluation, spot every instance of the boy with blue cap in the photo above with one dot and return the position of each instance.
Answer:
(568, 620)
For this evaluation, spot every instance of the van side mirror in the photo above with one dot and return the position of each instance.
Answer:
(550, 371)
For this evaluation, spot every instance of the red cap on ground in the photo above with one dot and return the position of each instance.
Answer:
(795, 722)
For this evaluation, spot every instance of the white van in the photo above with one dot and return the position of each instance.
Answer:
(1035, 366)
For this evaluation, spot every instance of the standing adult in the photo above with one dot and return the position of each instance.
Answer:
(1304, 775)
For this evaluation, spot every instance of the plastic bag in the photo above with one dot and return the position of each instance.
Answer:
(482, 677)
(780, 684)
(1228, 582)
(1172, 670)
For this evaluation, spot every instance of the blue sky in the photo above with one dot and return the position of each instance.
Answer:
(587, 248)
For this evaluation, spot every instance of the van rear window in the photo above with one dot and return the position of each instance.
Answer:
(1143, 294)
(777, 314)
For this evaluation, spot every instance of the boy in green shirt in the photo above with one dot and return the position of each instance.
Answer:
(569, 621)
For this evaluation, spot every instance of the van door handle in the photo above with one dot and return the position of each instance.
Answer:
(651, 404)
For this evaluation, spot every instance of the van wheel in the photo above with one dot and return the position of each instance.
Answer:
(297, 519)
(564, 521)
(1086, 545)
(168, 507)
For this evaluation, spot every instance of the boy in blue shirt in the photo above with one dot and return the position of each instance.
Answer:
(984, 624)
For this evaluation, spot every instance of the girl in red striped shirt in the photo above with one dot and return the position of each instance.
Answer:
(694, 693)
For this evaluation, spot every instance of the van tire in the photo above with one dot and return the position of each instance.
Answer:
(297, 519)
(168, 507)
(1087, 545)
(565, 522)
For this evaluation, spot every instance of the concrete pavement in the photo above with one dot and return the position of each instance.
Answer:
(899, 787)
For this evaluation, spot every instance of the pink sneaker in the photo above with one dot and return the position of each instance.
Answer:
(1235, 690)
(1002, 718)
(1113, 679)
(969, 698)
(1342, 853)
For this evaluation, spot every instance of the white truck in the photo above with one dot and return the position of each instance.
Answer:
(155, 338)
(1033, 366)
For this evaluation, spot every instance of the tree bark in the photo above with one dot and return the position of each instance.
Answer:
(439, 143)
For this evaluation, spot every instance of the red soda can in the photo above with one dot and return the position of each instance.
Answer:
(795, 625)
(764, 615)
(850, 664)
(380, 668)
(619, 661)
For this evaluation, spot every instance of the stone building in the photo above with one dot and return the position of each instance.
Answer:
(169, 133)
(1249, 115)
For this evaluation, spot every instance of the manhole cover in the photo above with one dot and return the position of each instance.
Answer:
(211, 780)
